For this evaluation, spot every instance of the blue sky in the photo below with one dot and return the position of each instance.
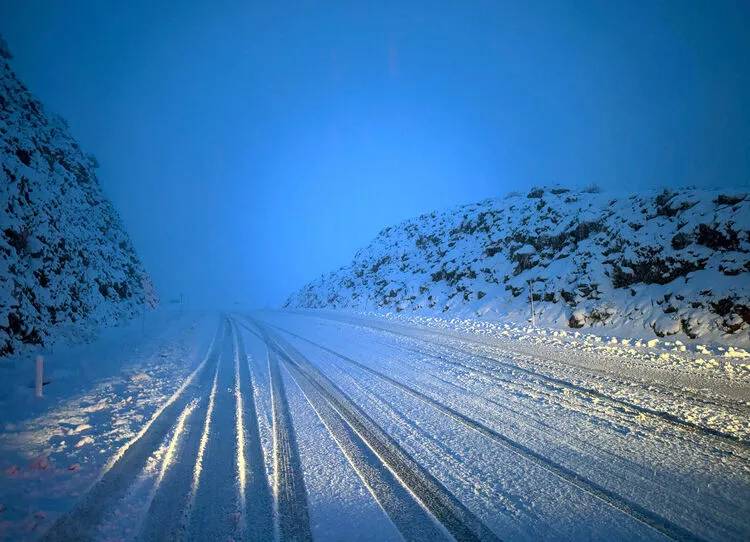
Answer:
(251, 146)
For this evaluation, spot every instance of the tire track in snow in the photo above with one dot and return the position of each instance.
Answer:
(626, 506)
(170, 509)
(214, 505)
(460, 522)
(170, 503)
(655, 488)
(671, 419)
(624, 473)
(80, 523)
(256, 494)
(201, 497)
(457, 470)
(615, 417)
(407, 514)
(293, 520)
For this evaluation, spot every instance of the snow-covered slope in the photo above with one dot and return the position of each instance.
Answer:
(664, 263)
(66, 263)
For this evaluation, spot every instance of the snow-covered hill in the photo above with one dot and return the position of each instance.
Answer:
(664, 263)
(66, 264)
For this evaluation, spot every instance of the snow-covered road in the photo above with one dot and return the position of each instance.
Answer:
(332, 426)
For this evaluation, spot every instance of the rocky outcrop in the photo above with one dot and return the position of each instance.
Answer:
(66, 264)
(669, 262)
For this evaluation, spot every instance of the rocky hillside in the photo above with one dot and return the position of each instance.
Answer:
(664, 263)
(66, 264)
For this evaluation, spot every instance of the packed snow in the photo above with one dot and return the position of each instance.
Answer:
(334, 425)
(98, 398)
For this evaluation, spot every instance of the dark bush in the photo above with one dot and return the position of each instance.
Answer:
(727, 199)
(558, 191)
(535, 193)
(681, 240)
(711, 237)
(24, 156)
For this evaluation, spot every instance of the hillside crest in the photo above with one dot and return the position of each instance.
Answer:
(664, 262)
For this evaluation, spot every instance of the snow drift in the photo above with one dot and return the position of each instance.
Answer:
(663, 263)
(66, 264)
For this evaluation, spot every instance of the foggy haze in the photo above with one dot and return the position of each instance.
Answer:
(250, 147)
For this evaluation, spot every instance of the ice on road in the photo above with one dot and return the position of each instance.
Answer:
(334, 426)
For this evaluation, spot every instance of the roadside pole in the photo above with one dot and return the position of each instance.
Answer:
(531, 298)
(39, 380)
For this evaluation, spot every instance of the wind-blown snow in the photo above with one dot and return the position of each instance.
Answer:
(658, 263)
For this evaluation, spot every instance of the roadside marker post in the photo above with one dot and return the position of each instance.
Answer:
(39, 382)
(531, 298)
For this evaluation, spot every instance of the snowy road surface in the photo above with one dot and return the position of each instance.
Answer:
(332, 426)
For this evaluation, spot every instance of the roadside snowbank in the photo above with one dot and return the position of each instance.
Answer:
(707, 359)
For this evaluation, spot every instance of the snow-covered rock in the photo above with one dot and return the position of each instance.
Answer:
(66, 264)
(662, 263)
(666, 326)
(577, 319)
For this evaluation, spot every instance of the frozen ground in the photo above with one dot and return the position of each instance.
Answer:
(340, 426)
